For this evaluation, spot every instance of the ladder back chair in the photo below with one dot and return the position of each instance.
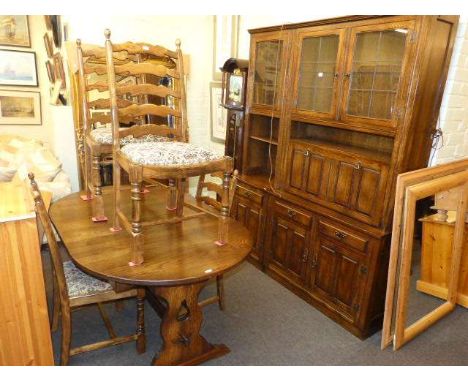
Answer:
(172, 161)
(74, 288)
(214, 204)
(95, 111)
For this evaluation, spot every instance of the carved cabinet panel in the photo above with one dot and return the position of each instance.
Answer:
(247, 209)
(339, 276)
(288, 239)
(357, 185)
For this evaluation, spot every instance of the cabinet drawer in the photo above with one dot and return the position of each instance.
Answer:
(343, 236)
(249, 194)
(292, 213)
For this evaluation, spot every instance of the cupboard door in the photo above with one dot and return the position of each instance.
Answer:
(358, 185)
(339, 278)
(267, 69)
(307, 171)
(288, 250)
(319, 69)
(249, 214)
(374, 83)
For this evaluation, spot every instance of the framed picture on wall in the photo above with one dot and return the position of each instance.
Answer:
(59, 70)
(48, 45)
(20, 108)
(50, 71)
(14, 31)
(18, 68)
(218, 113)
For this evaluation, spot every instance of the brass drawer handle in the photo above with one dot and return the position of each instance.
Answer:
(358, 166)
(340, 235)
(306, 153)
(291, 213)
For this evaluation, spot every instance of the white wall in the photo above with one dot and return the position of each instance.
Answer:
(454, 110)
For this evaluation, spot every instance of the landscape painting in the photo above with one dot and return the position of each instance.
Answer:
(18, 68)
(14, 31)
(20, 108)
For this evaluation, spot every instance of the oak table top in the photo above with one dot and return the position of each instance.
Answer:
(178, 260)
(175, 254)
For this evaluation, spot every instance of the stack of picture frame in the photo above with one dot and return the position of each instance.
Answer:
(18, 68)
(54, 64)
(411, 187)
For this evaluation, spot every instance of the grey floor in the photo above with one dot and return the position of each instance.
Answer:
(266, 324)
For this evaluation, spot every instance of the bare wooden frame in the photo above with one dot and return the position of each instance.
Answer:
(408, 191)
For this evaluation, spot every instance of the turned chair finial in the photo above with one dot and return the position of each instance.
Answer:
(178, 43)
(78, 42)
(107, 33)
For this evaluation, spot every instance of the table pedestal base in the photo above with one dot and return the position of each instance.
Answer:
(180, 328)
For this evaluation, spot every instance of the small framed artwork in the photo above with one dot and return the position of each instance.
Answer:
(59, 71)
(20, 108)
(18, 68)
(56, 30)
(48, 45)
(48, 22)
(218, 113)
(50, 71)
(14, 31)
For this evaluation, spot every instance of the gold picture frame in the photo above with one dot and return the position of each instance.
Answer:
(48, 45)
(14, 31)
(20, 107)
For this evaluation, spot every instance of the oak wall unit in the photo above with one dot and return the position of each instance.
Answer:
(336, 109)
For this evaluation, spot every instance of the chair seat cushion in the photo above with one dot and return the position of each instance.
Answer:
(80, 284)
(103, 135)
(168, 154)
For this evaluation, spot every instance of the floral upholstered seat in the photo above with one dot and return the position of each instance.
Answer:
(168, 154)
(103, 135)
(80, 284)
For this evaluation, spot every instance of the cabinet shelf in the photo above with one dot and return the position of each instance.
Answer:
(264, 139)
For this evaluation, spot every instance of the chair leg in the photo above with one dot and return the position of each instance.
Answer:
(98, 202)
(55, 306)
(138, 242)
(115, 195)
(171, 203)
(66, 338)
(224, 215)
(86, 174)
(220, 291)
(141, 336)
(180, 197)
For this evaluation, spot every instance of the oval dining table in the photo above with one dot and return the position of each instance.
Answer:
(179, 259)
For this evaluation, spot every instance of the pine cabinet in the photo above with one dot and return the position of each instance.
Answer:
(336, 109)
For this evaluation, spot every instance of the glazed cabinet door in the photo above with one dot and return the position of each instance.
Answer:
(319, 70)
(288, 241)
(339, 277)
(266, 70)
(377, 70)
